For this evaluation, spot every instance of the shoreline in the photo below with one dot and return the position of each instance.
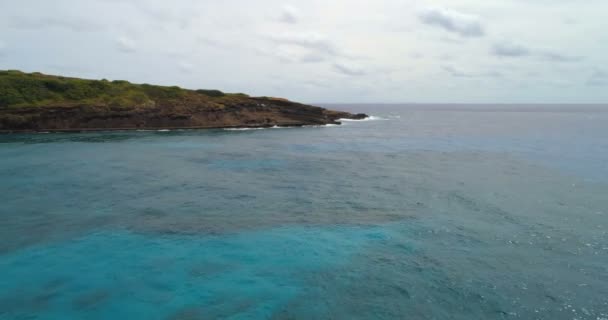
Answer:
(157, 129)
(123, 106)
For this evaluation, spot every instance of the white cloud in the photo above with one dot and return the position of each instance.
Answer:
(454, 72)
(509, 50)
(558, 56)
(348, 69)
(416, 55)
(463, 24)
(126, 45)
(185, 67)
(309, 40)
(599, 78)
(289, 14)
(293, 53)
(75, 24)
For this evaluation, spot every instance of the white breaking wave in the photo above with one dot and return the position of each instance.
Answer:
(256, 128)
(283, 127)
(163, 130)
(370, 118)
(243, 129)
(321, 125)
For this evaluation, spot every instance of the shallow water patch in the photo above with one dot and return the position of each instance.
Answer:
(120, 274)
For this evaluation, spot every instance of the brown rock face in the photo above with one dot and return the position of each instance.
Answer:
(259, 112)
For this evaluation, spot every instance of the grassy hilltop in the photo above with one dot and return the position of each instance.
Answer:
(19, 89)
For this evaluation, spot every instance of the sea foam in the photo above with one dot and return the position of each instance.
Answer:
(370, 118)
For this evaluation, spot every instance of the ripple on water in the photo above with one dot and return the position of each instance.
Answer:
(456, 215)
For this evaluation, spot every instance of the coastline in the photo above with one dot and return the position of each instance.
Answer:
(34, 102)
(160, 129)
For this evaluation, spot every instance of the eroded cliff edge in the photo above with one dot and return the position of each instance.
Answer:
(38, 102)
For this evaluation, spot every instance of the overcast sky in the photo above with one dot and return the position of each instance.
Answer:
(505, 51)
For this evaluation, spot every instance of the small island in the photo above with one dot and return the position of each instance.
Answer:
(31, 102)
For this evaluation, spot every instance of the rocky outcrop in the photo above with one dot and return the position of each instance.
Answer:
(154, 109)
(259, 113)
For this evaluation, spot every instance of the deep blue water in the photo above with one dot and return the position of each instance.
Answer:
(425, 212)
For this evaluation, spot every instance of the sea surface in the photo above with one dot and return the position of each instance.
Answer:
(421, 212)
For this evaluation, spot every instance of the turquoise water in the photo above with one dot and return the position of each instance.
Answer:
(424, 212)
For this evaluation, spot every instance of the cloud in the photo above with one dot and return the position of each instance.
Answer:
(598, 78)
(509, 50)
(348, 69)
(289, 15)
(164, 15)
(309, 40)
(456, 73)
(452, 21)
(512, 50)
(215, 43)
(452, 40)
(416, 55)
(492, 74)
(445, 57)
(65, 22)
(461, 74)
(294, 53)
(304, 47)
(319, 83)
(185, 67)
(126, 45)
(311, 58)
(2, 48)
(559, 57)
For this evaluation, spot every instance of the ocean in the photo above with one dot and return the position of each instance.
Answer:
(420, 212)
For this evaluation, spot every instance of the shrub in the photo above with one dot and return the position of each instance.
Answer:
(211, 93)
(10, 96)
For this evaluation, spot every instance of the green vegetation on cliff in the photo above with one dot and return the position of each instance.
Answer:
(19, 89)
(38, 102)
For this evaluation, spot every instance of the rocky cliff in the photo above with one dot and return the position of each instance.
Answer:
(38, 102)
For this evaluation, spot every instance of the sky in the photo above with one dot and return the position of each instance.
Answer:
(322, 51)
